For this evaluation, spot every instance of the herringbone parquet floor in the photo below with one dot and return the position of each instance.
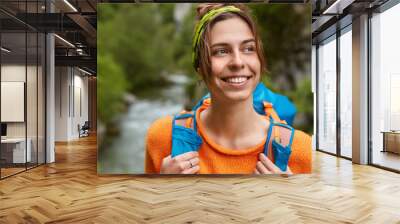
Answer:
(70, 191)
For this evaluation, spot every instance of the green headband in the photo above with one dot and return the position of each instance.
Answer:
(201, 26)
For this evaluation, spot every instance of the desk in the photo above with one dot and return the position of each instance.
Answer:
(16, 147)
(391, 141)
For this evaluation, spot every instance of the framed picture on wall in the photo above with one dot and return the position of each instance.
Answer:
(12, 101)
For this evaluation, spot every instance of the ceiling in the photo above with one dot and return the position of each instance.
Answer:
(74, 21)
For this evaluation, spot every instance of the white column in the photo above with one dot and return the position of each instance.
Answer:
(50, 110)
(314, 91)
(360, 90)
(50, 92)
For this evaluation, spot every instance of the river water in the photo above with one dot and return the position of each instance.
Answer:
(125, 155)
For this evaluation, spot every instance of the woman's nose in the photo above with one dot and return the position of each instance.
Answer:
(236, 60)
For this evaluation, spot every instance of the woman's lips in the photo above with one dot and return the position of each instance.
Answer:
(236, 81)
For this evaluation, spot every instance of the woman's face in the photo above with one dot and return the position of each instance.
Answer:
(235, 65)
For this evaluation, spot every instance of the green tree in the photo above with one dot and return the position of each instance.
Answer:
(137, 37)
(286, 33)
(303, 99)
(111, 86)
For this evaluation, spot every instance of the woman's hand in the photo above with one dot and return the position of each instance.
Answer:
(266, 166)
(186, 163)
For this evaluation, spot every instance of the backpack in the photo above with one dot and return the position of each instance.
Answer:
(277, 147)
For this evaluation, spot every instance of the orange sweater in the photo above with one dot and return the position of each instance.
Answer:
(216, 159)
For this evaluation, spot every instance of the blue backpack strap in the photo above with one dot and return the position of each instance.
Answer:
(184, 139)
(284, 108)
(194, 122)
(280, 151)
(268, 137)
(182, 116)
(185, 116)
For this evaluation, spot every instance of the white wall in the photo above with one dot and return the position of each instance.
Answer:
(71, 94)
(13, 73)
(16, 73)
(33, 126)
(61, 103)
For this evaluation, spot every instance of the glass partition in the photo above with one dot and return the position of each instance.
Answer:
(346, 92)
(32, 94)
(327, 95)
(32, 85)
(14, 150)
(41, 85)
(385, 89)
(22, 87)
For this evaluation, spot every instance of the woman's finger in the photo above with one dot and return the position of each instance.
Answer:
(268, 164)
(183, 165)
(261, 168)
(187, 164)
(256, 171)
(186, 156)
(195, 161)
(192, 170)
(166, 165)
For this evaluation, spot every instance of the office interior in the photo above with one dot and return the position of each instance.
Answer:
(48, 72)
(356, 79)
(48, 79)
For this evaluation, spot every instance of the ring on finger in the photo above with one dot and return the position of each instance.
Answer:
(191, 164)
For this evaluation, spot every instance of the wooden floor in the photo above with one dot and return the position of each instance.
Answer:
(10, 171)
(69, 191)
(388, 159)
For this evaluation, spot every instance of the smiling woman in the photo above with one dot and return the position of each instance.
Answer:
(234, 62)
(226, 134)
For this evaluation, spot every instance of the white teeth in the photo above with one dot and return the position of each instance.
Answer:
(236, 79)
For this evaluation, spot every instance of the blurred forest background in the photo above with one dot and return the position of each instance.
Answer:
(144, 66)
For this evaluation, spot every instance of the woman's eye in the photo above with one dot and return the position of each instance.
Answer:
(249, 49)
(220, 51)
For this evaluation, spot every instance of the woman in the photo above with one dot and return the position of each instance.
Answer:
(227, 54)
